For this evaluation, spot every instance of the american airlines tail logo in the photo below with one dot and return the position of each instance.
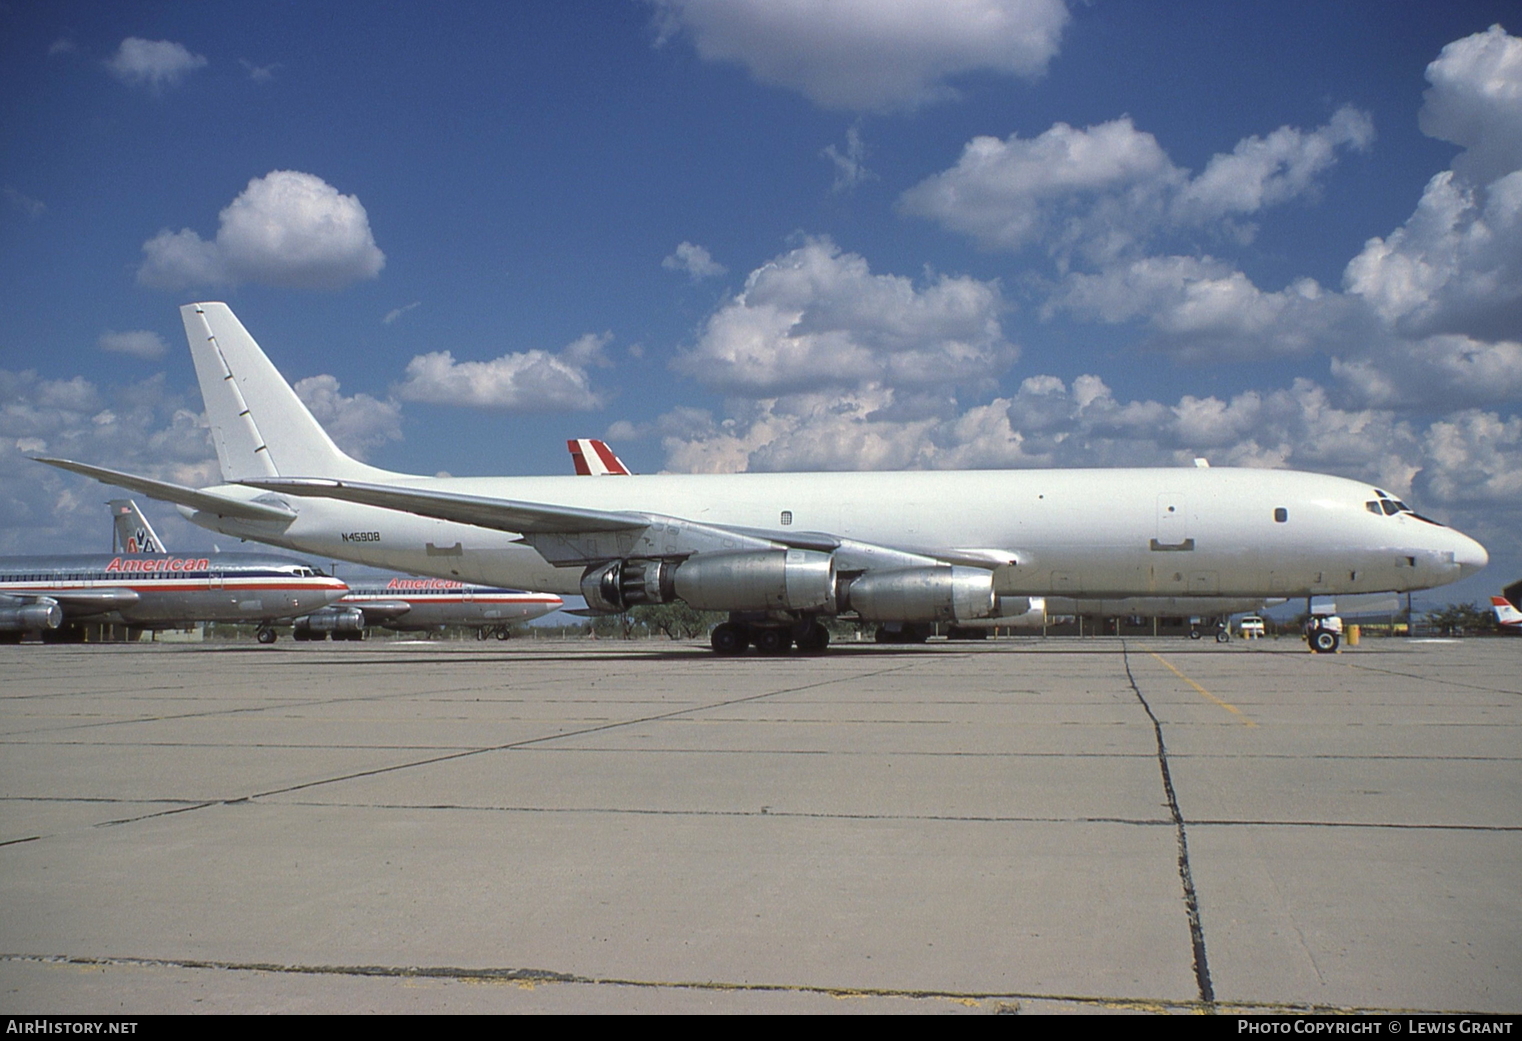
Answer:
(161, 564)
(142, 542)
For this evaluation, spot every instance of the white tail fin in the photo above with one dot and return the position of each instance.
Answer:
(132, 533)
(258, 424)
(1506, 614)
(594, 458)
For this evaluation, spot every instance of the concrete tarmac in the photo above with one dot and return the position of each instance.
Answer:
(1023, 825)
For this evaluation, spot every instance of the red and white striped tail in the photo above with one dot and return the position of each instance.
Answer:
(593, 458)
(1506, 614)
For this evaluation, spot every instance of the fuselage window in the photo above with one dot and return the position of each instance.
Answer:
(1281, 514)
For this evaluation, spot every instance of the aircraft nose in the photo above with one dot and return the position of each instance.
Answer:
(1469, 555)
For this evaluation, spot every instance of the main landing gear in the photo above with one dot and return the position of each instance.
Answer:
(1323, 640)
(902, 632)
(265, 634)
(732, 638)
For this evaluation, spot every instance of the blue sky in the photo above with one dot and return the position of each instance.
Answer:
(867, 234)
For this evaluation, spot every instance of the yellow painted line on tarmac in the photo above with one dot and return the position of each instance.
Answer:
(1228, 706)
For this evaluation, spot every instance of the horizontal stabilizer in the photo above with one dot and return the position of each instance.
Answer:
(211, 502)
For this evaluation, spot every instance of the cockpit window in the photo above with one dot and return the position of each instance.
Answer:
(1389, 507)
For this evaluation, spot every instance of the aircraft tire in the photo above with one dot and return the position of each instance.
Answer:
(1222, 636)
(504, 633)
(1324, 641)
(729, 639)
(772, 641)
(265, 636)
(1194, 634)
(814, 640)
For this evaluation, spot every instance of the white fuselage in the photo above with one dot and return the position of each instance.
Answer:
(1076, 533)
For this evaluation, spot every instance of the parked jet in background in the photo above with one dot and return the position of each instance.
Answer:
(593, 458)
(777, 551)
(402, 603)
(131, 532)
(1508, 618)
(406, 604)
(52, 595)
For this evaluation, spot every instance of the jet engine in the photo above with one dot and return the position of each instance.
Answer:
(43, 615)
(923, 594)
(764, 580)
(332, 620)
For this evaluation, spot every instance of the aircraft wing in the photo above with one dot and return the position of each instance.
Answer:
(378, 612)
(502, 514)
(76, 603)
(868, 555)
(211, 502)
(572, 535)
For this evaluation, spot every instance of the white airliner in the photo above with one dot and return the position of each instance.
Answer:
(593, 458)
(778, 551)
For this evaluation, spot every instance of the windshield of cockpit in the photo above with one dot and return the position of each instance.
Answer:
(1386, 506)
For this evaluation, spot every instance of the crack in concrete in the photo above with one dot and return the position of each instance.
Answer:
(1186, 875)
(524, 743)
(494, 974)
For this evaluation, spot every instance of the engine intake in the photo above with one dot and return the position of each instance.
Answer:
(33, 616)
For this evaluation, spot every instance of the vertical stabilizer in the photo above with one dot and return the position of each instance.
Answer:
(258, 424)
(131, 532)
(593, 458)
(1506, 614)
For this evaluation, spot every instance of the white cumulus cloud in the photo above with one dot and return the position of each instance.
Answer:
(1103, 191)
(526, 381)
(287, 229)
(359, 423)
(1475, 101)
(872, 55)
(140, 343)
(816, 316)
(152, 63)
(850, 164)
(695, 260)
(138, 427)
